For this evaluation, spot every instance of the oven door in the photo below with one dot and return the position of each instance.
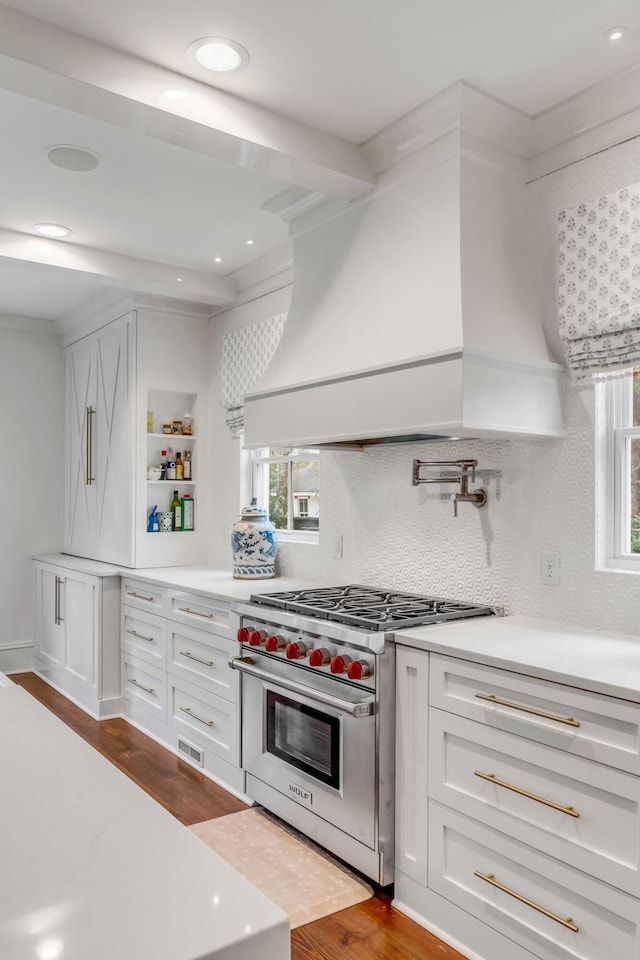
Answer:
(316, 754)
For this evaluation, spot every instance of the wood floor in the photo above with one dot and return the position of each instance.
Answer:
(369, 931)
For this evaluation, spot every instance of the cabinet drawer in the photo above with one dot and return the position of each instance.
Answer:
(583, 812)
(588, 724)
(145, 685)
(143, 635)
(202, 612)
(204, 718)
(463, 852)
(202, 658)
(144, 596)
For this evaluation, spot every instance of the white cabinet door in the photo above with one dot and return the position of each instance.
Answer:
(49, 627)
(80, 491)
(99, 429)
(113, 461)
(412, 712)
(80, 609)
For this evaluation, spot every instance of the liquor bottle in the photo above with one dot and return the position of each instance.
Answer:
(187, 512)
(163, 464)
(171, 465)
(176, 509)
(186, 466)
(179, 466)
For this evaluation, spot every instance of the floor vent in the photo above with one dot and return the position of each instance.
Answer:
(197, 756)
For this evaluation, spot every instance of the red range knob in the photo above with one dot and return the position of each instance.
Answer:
(296, 650)
(256, 637)
(358, 670)
(318, 658)
(339, 664)
(274, 643)
(243, 635)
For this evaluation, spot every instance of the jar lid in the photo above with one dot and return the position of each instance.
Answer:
(253, 510)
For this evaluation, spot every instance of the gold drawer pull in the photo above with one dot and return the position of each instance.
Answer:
(564, 921)
(147, 689)
(491, 697)
(195, 613)
(139, 596)
(140, 636)
(207, 723)
(185, 653)
(491, 777)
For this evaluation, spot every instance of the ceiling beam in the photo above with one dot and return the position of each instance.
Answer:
(113, 269)
(44, 62)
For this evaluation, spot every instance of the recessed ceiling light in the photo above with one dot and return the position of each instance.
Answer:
(75, 159)
(250, 242)
(179, 279)
(217, 53)
(52, 230)
(217, 259)
(615, 33)
(176, 94)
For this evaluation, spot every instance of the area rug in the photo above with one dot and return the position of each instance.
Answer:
(290, 870)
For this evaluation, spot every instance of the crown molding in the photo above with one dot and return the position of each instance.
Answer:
(31, 325)
(292, 202)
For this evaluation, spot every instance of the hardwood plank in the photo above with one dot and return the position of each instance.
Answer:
(372, 930)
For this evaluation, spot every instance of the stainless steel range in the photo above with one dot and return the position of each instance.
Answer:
(318, 706)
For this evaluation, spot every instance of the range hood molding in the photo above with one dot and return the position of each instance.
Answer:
(413, 315)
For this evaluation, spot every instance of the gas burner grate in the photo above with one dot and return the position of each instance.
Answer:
(369, 607)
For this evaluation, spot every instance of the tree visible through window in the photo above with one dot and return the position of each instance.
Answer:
(287, 483)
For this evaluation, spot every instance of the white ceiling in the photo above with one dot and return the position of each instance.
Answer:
(346, 67)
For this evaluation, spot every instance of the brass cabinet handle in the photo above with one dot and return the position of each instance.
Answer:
(185, 653)
(491, 697)
(90, 415)
(491, 777)
(146, 689)
(563, 921)
(141, 636)
(139, 596)
(207, 723)
(208, 616)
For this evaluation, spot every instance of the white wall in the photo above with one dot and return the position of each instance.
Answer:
(541, 493)
(31, 439)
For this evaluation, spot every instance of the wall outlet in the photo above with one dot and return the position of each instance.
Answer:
(337, 547)
(550, 569)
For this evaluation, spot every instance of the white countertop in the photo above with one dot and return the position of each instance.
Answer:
(207, 581)
(94, 868)
(605, 663)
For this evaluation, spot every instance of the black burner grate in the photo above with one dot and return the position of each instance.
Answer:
(370, 607)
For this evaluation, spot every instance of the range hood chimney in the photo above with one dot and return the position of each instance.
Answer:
(413, 314)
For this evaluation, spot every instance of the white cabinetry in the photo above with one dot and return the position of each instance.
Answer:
(176, 682)
(99, 443)
(76, 635)
(138, 359)
(532, 796)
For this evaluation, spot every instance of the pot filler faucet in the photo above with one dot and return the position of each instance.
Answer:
(466, 474)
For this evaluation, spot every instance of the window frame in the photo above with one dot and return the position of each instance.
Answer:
(615, 409)
(260, 460)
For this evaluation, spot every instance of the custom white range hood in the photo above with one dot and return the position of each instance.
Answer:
(413, 312)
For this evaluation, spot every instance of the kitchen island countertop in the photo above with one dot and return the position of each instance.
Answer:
(93, 867)
(606, 663)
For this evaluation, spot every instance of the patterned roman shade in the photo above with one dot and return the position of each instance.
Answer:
(245, 354)
(599, 284)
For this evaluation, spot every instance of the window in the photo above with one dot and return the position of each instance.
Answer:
(287, 483)
(621, 479)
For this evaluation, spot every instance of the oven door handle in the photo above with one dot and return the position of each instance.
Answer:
(361, 708)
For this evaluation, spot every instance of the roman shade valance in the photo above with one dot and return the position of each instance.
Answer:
(599, 284)
(245, 354)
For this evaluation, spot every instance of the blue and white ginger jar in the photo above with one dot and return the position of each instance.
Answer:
(255, 543)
